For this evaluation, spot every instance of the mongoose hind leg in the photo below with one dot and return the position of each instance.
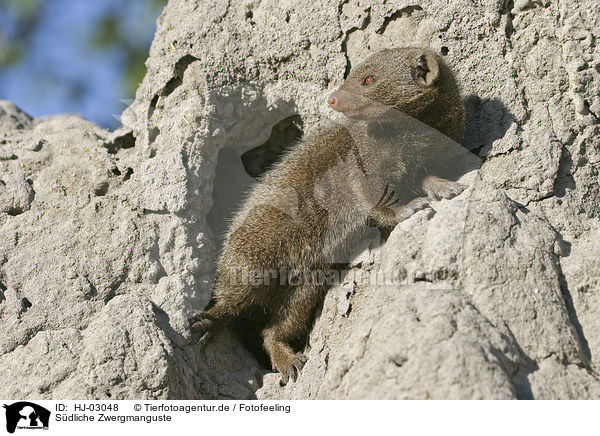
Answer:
(211, 321)
(229, 300)
(290, 323)
(283, 358)
(438, 188)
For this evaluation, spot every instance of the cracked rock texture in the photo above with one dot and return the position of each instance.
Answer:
(108, 240)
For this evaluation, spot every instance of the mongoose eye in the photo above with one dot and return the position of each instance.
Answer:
(368, 80)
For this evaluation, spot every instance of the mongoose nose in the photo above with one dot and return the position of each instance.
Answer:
(332, 101)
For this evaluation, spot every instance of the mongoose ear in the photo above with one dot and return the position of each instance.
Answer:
(427, 69)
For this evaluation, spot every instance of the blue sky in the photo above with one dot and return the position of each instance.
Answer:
(61, 74)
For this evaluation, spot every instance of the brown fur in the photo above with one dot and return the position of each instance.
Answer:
(300, 215)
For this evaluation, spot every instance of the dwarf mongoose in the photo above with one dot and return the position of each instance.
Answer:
(381, 165)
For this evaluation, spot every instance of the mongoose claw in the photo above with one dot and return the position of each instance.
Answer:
(299, 361)
(387, 199)
(293, 370)
(204, 325)
(419, 204)
(206, 338)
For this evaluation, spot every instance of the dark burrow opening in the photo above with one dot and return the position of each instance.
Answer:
(25, 305)
(283, 135)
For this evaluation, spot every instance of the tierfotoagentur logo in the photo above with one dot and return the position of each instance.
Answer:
(26, 415)
(317, 277)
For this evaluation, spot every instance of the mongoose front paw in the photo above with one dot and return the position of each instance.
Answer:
(412, 208)
(292, 369)
(418, 204)
(437, 188)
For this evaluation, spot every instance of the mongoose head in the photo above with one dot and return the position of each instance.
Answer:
(412, 80)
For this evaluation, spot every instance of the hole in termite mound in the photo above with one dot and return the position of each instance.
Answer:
(283, 135)
(237, 171)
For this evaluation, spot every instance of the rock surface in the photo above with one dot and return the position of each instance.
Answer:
(108, 240)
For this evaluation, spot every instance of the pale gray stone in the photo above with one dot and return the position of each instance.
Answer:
(108, 240)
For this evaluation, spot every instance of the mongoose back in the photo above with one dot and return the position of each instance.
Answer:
(381, 165)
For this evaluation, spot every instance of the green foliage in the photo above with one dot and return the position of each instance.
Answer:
(110, 33)
(25, 15)
(10, 53)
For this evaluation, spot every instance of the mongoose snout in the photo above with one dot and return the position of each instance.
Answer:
(332, 101)
(358, 107)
